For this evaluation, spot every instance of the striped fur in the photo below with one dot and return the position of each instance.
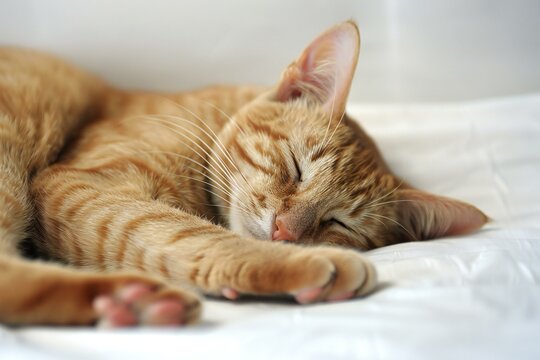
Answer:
(180, 189)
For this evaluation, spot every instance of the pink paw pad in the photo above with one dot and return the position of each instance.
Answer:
(133, 305)
(163, 312)
(113, 313)
(307, 296)
(132, 293)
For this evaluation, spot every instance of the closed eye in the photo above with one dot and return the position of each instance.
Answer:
(297, 167)
(335, 221)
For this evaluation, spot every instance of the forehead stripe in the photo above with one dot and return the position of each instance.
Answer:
(245, 156)
(267, 130)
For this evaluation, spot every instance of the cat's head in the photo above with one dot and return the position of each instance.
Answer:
(299, 169)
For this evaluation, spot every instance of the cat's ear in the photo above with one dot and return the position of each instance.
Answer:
(427, 216)
(324, 71)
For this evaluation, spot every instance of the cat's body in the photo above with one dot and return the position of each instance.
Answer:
(149, 183)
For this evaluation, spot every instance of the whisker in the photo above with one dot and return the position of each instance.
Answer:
(222, 170)
(245, 210)
(221, 186)
(214, 135)
(177, 104)
(371, 216)
(332, 110)
(231, 119)
(384, 196)
(389, 202)
(220, 162)
(231, 195)
(241, 208)
(397, 223)
(222, 146)
(335, 129)
(160, 117)
(230, 208)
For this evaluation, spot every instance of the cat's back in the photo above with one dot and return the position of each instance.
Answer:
(26, 69)
(112, 115)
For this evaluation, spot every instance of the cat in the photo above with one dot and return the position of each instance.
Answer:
(223, 191)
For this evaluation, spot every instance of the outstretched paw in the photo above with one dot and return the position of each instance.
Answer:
(311, 275)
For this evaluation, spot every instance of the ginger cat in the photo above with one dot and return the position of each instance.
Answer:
(219, 191)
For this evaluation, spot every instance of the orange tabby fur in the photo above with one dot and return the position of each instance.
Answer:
(146, 185)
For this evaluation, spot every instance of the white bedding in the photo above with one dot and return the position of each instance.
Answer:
(474, 296)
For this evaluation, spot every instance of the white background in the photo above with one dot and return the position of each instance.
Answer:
(414, 50)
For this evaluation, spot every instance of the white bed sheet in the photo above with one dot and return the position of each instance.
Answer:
(475, 297)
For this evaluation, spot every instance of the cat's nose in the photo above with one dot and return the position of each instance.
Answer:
(282, 231)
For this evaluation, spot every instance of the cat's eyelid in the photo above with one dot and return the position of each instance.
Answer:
(341, 223)
(338, 222)
(297, 167)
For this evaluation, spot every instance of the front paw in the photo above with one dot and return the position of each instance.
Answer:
(343, 274)
(308, 274)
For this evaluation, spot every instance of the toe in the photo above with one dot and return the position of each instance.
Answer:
(118, 315)
(343, 296)
(163, 312)
(307, 296)
(103, 303)
(133, 292)
(370, 280)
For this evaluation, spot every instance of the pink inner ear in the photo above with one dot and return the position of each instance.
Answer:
(432, 216)
(324, 71)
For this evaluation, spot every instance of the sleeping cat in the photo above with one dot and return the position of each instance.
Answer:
(223, 191)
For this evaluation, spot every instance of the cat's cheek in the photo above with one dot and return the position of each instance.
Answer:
(235, 224)
(329, 237)
(238, 224)
(258, 226)
(265, 225)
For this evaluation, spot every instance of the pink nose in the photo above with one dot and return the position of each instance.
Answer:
(282, 232)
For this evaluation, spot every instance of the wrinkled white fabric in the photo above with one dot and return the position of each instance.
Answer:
(469, 297)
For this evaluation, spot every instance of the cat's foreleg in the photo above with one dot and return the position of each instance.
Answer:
(105, 228)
